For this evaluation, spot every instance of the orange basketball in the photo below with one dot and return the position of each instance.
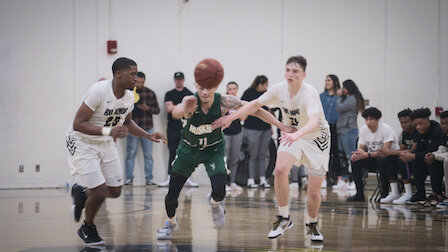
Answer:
(208, 73)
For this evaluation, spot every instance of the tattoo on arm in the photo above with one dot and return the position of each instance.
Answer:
(231, 102)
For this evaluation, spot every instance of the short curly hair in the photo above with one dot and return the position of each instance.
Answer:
(371, 112)
(421, 113)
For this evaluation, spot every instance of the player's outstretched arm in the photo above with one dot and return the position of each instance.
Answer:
(229, 102)
(186, 108)
(137, 131)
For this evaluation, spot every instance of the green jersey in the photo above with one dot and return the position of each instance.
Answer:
(198, 132)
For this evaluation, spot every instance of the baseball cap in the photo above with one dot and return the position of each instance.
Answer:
(178, 75)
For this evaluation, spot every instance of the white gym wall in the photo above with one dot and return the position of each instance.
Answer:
(51, 51)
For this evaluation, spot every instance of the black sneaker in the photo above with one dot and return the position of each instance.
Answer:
(416, 199)
(79, 200)
(356, 198)
(437, 200)
(89, 235)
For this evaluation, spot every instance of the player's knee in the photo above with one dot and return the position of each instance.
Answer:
(219, 194)
(281, 171)
(115, 192)
(314, 195)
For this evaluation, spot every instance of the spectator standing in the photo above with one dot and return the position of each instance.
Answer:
(328, 99)
(257, 133)
(349, 102)
(144, 108)
(174, 129)
(233, 137)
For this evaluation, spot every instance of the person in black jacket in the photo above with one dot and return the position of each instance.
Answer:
(428, 140)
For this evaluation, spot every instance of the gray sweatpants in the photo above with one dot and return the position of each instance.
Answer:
(233, 150)
(258, 143)
(298, 172)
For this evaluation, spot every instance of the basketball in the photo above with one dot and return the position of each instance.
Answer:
(208, 73)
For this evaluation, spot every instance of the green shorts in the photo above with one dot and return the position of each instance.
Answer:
(188, 158)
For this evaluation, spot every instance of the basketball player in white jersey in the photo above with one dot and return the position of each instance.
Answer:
(309, 145)
(104, 115)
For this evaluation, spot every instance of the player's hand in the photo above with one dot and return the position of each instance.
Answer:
(288, 138)
(288, 129)
(190, 104)
(222, 122)
(119, 132)
(157, 137)
(429, 158)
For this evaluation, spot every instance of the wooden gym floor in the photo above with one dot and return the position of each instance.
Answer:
(39, 220)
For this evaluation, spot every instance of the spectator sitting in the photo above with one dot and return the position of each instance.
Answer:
(442, 153)
(408, 144)
(428, 140)
(372, 137)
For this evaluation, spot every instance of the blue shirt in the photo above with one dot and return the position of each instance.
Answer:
(329, 106)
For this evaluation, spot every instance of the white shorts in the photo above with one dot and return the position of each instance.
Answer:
(314, 154)
(96, 163)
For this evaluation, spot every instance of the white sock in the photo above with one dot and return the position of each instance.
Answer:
(172, 220)
(214, 202)
(311, 219)
(394, 187)
(408, 188)
(262, 180)
(283, 211)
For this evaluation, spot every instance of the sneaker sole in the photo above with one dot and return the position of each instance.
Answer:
(72, 212)
(288, 227)
(317, 240)
(95, 243)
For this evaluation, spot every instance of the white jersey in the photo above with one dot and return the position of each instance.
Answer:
(108, 111)
(375, 140)
(295, 110)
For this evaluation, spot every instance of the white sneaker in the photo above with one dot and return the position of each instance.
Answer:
(312, 231)
(265, 185)
(304, 183)
(228, 188)
(166, 182)
(218, 213)
(252, 185)
(402, 200)
(166, 231)
(191, 183)
(341, 185)
(324, 183)
(391, 197)
(280, 226)
(236, 187)
(351, 186)
(294, 186)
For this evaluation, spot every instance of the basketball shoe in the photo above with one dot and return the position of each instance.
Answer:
(280, 226)
(79, 200)
(89, 235)
(166, 231)
(312, 231)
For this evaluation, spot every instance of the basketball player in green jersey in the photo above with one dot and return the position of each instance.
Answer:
(201, 143)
